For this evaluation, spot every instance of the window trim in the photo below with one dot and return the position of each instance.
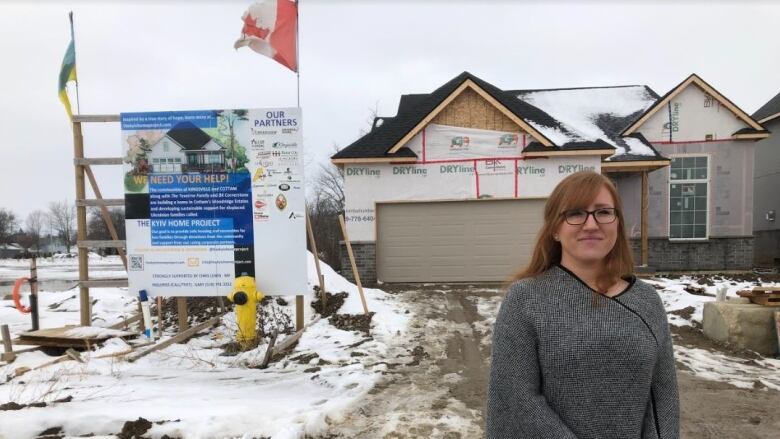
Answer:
(669, 195)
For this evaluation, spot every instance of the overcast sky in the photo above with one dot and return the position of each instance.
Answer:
(355, 56)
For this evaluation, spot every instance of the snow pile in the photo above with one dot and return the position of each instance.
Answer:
(579, 110)
(193, 390)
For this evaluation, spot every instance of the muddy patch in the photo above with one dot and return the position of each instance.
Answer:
(685, 313)
(694, 337)
(334, 302)
(134, 429)
(353, 322)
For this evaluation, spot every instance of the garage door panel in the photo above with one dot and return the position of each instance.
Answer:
(455, 241)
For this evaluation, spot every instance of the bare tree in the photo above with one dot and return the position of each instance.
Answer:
(324, 207)
(7, 225)
(97, 228)
(329, 187)
(63, 219)
(33, 225)
(25, 240)
(372, 115)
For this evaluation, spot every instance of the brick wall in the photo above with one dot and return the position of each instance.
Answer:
(767, 248)
(365, 259)
(713, 254)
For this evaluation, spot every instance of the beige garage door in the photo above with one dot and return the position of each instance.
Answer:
(460, 241)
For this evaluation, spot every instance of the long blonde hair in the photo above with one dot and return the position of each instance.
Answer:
(576, 192)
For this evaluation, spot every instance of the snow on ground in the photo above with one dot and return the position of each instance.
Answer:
(707, 364)
(61, 308)
(63, 268)
(738, 372)
(192, 391)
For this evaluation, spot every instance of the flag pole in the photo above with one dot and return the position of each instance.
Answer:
(73, 38)
(298, 51)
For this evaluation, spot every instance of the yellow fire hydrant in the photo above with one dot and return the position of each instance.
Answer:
(245, 296)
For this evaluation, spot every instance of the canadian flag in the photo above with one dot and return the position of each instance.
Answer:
(270, 28)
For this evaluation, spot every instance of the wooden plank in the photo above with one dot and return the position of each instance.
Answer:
(81, 227)
(289, 341)
(766, 289)
(104, 283)
(298, 312)
(268, 351)
(100, 243)
(766, 300)
(181, 310)
(77, 118)
(354, 266)
(98, 161)
(313, 244)
(64, 332)
(105, 214)
(34, 311)
(182, 336)
(160, 315)
(101, 202)
(125, 324)
(8, 348)
(777, 329)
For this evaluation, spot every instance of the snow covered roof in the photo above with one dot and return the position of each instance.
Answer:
(594, 114)
(589, 118)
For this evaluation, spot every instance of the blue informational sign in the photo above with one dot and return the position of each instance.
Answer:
(166, 120)
(213, 195)
(200, 209)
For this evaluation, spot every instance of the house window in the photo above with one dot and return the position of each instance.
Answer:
(165, 146)
(688, 181)
(709, 101)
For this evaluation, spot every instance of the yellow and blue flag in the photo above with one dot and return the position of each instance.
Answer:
(68, 70)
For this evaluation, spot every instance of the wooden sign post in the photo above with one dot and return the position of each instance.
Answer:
(314, 251)
(354, 266)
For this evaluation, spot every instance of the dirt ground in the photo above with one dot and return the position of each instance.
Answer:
(441, 394)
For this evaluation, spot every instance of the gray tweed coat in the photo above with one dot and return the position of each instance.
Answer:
(564, 368)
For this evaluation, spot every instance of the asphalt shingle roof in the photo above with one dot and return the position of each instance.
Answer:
(770, 108)
(413, 108)
(188, 136)
(619, 107)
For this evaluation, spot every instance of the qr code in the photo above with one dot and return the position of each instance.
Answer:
(136, 262)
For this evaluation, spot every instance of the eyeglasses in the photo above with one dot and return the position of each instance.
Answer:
(578, 217)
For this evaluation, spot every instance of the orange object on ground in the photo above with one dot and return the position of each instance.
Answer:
(17, 298)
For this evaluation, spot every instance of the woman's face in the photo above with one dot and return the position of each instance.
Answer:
(591, 241)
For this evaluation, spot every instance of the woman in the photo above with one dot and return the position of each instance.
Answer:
(581, 348)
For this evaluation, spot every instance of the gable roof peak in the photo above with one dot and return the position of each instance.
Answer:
(693, 78)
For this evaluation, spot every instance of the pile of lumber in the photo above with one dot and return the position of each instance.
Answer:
(766, 296)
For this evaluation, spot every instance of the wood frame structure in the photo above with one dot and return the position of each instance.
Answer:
(82, 169)
(769, 118)
(485, 95)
